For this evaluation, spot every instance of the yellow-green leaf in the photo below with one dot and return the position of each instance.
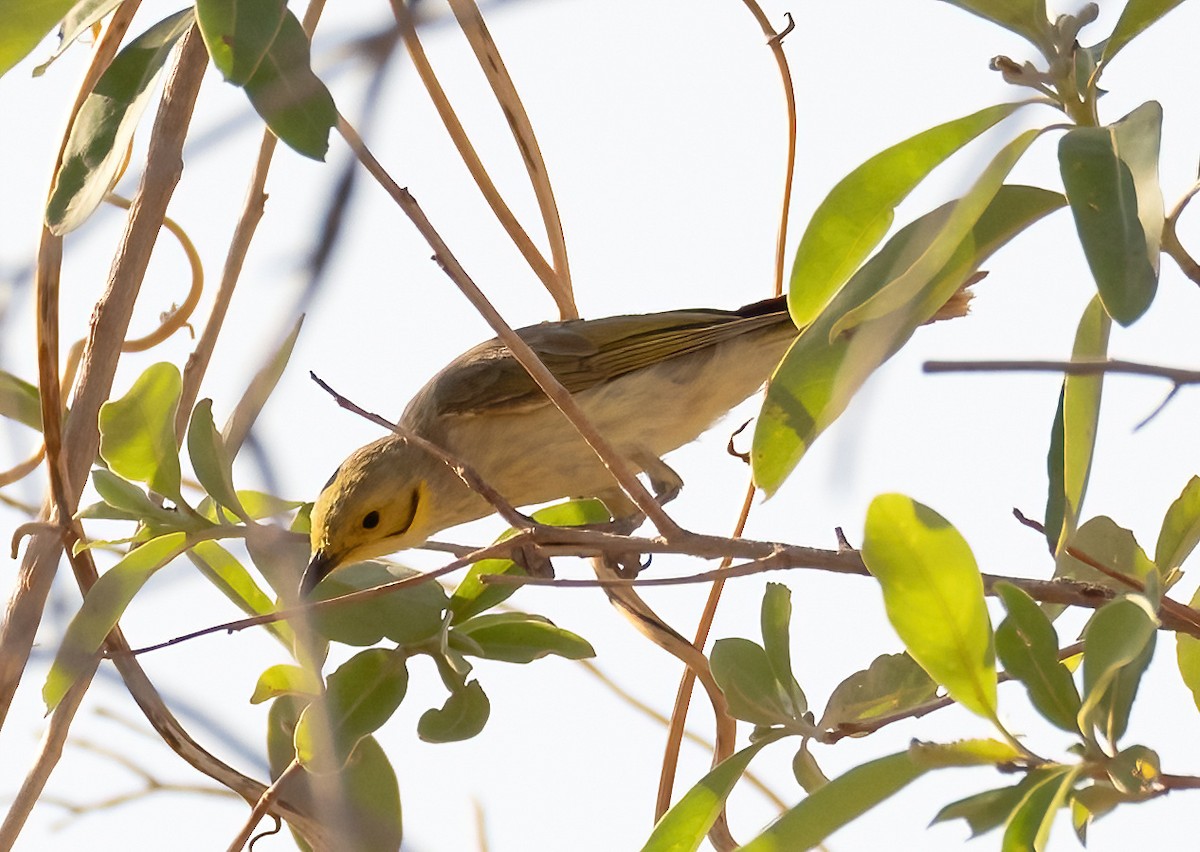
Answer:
(934, 597)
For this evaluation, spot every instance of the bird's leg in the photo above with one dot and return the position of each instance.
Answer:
(663, 479)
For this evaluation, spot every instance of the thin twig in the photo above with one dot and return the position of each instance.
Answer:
(470, 157)
(480, 39)
(520, 350)
(1071, 368)
(1170, 239)
(264, 805)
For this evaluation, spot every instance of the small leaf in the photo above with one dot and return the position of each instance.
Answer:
(1027, 645)
(102, 609)
(743, 672)
(1073, 436)
(808, 773)
(362, 694)
(1026, 18)
(1111, 177)
(934, 597)
(212, 463)
(1135, 17)
(1056, 498)
(820, 374)
(1118, 644)
(246, 412)
(1180, 531)
(515, 637)
(289, 96)
(83, 16)
(101, 132)
(238, 35)
(25, 25)
(857, 213)
(838, 803)
(1114, 547)
(1029, 827)
(258, 505)
(407, 616)
(127, 497)
(285, 680)
(1187, 653)
(683, 827)
(776, 618)
(892, 683)
(978, 752)
(473, 596)
(986, 811)
(365, 793)
(19, 400)
(463, 716)
(137, 431)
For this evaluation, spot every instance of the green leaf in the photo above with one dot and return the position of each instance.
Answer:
(473, 596)
(515, 637)
(463, 716)
(1111, 177)
(102, 609)
(1056, 497)
(820, 373)
(1029, 827)
(1081, 416)
(919, 288)
(100, 135)
(974, 752)
(743, 672)
(808, 773)
(934, 597)
(1112, 546)
(776, 618)
(1090, 803)
(1135, 17)
(137, 431)
(892, 683)
(246, 412)
(362, 694)
(1117, 646)
(857, 213)
(212, 463)
(82, 17)
(19, 400)
(683, 827)
(838, 803)
(25, 25)
(1187, 653)
(225, 572)
(986, 811)
(1180, 531)
(287, 94)
(1027, 645)
(285, 679)
(258, 505)
(238, 35)
(407, 616)
(1026, 18)
(127, 497)
(364, 794)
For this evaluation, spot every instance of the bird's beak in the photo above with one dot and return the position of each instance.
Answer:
(318, 569)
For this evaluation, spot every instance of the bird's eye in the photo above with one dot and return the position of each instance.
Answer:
(371, 520)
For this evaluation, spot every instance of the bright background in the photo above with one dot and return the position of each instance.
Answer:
(662, 126)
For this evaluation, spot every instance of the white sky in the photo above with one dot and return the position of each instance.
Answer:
(662, 127)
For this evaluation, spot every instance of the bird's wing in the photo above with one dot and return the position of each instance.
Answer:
(582, 354)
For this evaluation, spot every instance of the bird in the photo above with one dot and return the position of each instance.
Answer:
(650, 383)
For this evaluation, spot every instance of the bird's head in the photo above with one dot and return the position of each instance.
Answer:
(383, 498)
